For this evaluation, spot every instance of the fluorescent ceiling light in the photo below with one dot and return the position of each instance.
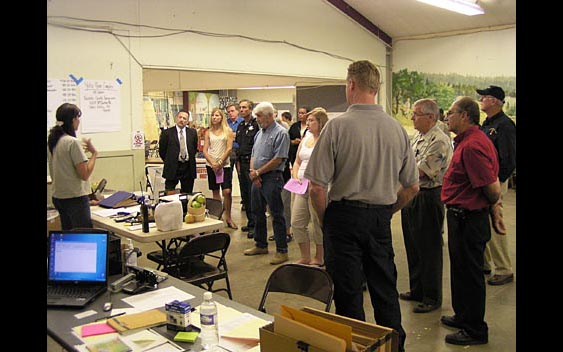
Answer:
(466, 7)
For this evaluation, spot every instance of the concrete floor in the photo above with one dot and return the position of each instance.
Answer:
(248, 276)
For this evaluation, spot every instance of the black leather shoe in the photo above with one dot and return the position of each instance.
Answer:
(250, 235)
(451, 321)
(245, 229)
(288, 238)
(408, 296)
(500, 279)
(425, 308)
(462, 338)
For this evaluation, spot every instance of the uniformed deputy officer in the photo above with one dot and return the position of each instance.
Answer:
(246, 131)
(501, 130)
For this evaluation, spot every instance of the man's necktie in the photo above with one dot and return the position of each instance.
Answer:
(183, 152)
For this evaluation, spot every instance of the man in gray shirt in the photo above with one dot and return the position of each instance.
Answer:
(271, 146)
(364, 158)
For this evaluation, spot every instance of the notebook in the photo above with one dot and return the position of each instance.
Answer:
(77, 267)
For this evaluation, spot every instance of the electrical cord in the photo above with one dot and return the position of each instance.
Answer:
(51, 20)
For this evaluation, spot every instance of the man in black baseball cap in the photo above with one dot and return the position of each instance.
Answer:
(493, 91)
(502, 132)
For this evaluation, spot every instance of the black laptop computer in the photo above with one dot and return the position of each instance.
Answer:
(77, 267)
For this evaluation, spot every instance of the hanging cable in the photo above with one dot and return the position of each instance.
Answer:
(175, 31)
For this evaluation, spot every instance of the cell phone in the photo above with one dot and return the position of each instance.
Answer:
(97, 194)
(101, 186)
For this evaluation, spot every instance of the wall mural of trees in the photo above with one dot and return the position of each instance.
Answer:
(408, 87)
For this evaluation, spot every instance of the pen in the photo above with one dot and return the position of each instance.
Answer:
(111, 316)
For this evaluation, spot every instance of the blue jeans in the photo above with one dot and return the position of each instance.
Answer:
(270, 194)
(358, 245)
(74, 212)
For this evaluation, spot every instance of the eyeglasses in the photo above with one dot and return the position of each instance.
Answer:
(486, 97)
(414, 113)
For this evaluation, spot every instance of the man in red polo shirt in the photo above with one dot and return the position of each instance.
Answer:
(470, 191)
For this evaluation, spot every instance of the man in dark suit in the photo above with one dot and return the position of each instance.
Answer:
(179, 160)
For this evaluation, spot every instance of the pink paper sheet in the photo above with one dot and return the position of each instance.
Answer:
(96, 329)
(219, 176)
(295, 187)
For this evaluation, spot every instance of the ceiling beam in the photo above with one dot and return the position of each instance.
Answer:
(361, 20)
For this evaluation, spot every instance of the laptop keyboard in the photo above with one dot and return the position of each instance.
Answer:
(70, 291)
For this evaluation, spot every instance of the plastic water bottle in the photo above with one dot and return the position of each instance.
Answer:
(209, 324)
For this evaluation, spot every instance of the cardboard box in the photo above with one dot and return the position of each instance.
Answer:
(367, 337)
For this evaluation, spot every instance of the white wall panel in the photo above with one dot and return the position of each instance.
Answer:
(488, 53)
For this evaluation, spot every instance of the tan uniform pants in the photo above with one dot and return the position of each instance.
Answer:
(497, 258)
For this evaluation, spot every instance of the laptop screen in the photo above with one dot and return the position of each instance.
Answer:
(78, 256)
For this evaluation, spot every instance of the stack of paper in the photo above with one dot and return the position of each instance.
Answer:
(238, 331)
(95, 339)
(114, 344)
(96, 329)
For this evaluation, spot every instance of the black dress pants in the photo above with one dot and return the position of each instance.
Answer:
(422, 223)
(182, 175)
(358, 248)
(468, 233)
(245, 192)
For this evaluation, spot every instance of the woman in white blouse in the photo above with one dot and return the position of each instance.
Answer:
(302, 211)
(217, 147)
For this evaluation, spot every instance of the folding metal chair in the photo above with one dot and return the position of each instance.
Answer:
(299, 279)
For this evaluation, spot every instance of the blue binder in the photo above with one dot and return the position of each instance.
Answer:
(119, 199)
